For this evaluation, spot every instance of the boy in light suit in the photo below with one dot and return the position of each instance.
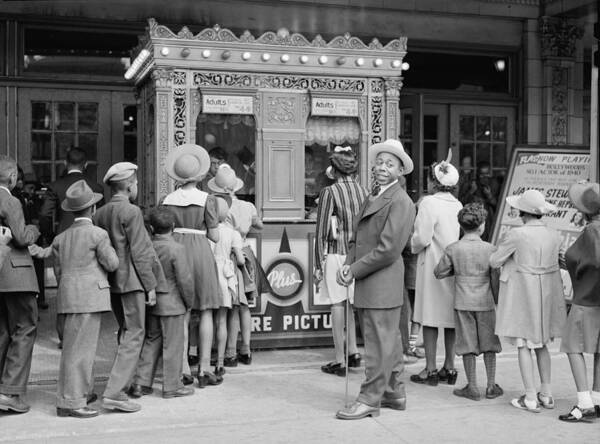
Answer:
(131, 283)
(18, 288)
(165, 323)
(83, 256)
(374, 260)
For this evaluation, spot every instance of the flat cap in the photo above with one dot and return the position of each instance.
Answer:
(119, 171)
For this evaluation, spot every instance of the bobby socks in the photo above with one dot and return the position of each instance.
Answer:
(584, 400)
(412, 341)
(545, 390)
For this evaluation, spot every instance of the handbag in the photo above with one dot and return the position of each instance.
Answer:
(334, 228)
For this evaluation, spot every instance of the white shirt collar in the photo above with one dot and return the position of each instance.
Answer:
(385, 187)
(74, 170)
(82, 218)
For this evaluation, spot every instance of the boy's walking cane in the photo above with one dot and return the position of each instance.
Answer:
(347, 313)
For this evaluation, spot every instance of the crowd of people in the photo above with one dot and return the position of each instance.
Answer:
(179, 281)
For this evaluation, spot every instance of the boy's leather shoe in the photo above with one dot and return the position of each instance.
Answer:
(354, 360)
(13, 403)
(230, 362)
(358, 410)
(83, 412)
(493, 391)
(187, 379)
(183, 391)
(122, 406)
(394, 403)
(245, 359)
(209, 378)
(92, 397)
(468, 392)
(334, 368)
(137, 390)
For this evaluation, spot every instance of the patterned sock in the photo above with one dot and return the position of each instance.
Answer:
(470, 369)
(596, 397)
(546, 390)
(584, 400)
(412, 341)
(489, 359)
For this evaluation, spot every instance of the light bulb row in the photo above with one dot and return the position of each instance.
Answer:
(285, 58)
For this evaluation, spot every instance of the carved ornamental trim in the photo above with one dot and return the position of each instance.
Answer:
(558, 37)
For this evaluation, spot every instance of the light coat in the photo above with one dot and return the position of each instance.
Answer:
(436, 227)
(531, 302)
(17, 273)
(83, 256)
(381, 231)
(137, 259)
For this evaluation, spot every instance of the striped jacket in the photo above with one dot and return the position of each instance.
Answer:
(344, 200)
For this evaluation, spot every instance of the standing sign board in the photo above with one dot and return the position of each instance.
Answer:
(551, 170)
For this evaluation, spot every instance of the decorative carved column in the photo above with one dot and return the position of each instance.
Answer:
(163, 80)
(562, 117)
(392, 98)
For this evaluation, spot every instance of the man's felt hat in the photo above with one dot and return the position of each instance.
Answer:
(79, 196)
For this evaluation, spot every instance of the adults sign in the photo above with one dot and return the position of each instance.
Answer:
(551, 171)
(218, 104)
(322, 106)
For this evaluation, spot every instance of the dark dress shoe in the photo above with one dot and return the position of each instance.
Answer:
(334, 368)
(193, 360)
(430, 378)
(394, 403)
(137, 390)
(578, 414)
(219, 371)
(187, 379)
(245, 359)
(468, 392)
(83, 412)
(13, 403)
(120, 405)
(354, 360)
(183, 391)
(493, 391)
(209, 378)
(358, 410)
(92, 397)
(448, 376)
(230, 362)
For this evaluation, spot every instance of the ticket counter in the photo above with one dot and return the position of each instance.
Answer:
(276, 105)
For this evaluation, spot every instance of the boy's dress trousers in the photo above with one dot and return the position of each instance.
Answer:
(129, 284)
(165, 321)
(18, 307)
(82, 257)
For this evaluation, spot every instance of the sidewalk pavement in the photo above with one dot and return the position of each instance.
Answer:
(283, 397)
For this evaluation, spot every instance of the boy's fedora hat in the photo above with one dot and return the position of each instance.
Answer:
(394, 147)
(188, 162)
(532, 202)
(79, 196)
(585, 196)
(225, 181)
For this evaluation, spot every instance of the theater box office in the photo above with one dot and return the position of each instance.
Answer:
(277, 105)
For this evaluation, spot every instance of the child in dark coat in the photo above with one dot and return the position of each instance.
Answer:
(474, 310)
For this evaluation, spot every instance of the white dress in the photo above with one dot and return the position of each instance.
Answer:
(436, 227)
(227, 269)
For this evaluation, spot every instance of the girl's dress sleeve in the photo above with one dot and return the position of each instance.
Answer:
(211, 214)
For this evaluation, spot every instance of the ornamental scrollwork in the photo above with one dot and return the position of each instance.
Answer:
(222, 79)
(280, 110)
(558, 37)
(559, 105)
(179, 106)
(376, 115)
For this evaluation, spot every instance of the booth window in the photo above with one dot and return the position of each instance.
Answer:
(77, 52)
(236, 136)
(130, 133)
(323, 134)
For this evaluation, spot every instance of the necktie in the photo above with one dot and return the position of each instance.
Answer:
(375, 190)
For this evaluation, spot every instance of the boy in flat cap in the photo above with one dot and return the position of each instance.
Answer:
(83, 256)
(374, 261)
(130, 283)
(18, 288)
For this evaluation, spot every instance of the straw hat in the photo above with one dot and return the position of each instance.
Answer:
(585, 196)
(394, 147)
(532, 202)
(225, 181)
(79, 196)
(187, 163)
(446, 173)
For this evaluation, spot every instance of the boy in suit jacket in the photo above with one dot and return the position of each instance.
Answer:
(165, 323)
(83, 256)
(130, 283)
(18, 288)
(374, 260)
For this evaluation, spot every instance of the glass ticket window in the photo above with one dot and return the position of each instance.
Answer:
(323, 134)
(230, 138)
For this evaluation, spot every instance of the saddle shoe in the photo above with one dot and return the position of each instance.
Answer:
(394, 403)
(358, 410)
(83, 412)
(13, 403)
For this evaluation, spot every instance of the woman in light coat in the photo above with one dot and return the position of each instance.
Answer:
(531, 308)
(436, 226)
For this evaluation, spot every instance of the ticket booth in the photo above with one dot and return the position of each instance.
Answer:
(276, 105)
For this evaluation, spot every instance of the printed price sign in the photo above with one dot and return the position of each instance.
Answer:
(213, 104)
